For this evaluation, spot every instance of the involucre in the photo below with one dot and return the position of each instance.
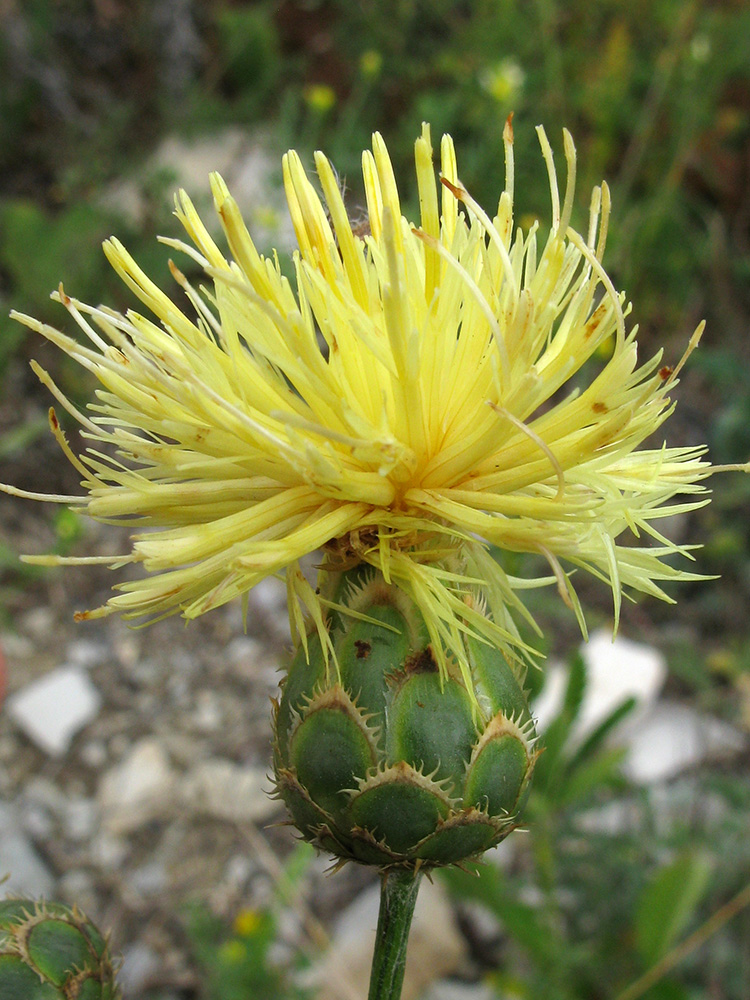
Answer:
(49, 951)
(382, 759)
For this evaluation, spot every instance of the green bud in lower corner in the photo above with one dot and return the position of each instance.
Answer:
(52, 952)
(383, 760)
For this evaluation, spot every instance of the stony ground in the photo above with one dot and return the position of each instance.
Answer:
(159, 796)
(134, 780)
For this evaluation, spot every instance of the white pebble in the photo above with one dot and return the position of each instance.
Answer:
(52, 709)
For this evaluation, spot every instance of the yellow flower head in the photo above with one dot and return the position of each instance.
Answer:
(247, 922)
(320, 97)
(426, 389)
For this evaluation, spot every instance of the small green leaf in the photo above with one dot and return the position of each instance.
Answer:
(576, 688)
(596, 738)
(547, 773)
(667, 904)
(522, 922)
(602, 770)
(668, 989)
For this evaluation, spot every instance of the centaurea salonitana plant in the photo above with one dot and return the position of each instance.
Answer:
(412, 401)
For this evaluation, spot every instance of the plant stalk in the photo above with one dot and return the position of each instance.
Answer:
(398, 894)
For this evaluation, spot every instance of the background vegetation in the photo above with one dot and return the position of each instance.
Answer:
(657, 96)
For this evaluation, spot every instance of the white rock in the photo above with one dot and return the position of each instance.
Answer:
(436, 947)
(671, 738)
(94, 754)
(16, 646)
(27, 875)
(149, 880)
(192, 160)
(615, 670)
(246, 161)
(448, 989)
(269, 596)
(77, 886)
(184, 163)
(238, 870)
(52, 709)
(662, 738)
(139, 964)
(249, 659)
(139, 789)
(80, 819)
(256, 184)
(613, 818)
(505, 853)
(38, 622)
(234, 792)
(41, 791)
(108, 851)
(87, 653)
(207, 716)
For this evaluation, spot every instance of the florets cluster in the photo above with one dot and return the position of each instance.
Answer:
(414, 399)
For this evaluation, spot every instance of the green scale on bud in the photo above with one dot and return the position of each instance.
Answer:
(384, 761)
(52, 952)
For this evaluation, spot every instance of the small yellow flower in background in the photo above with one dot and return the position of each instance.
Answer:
(419, 395)
(233, 952)
(503, 81)
(246, 923)
(370, 62)
(319, 97)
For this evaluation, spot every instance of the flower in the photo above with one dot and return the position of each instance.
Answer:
(428, 390)
(503, 81)
(320, 97)
(370, 63)
(247, 922)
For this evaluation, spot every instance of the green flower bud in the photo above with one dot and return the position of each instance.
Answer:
(52, 952)
(384, 759)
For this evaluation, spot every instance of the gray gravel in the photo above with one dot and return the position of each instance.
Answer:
(160, 796)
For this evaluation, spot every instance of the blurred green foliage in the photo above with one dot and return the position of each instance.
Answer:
(609, 879)
(244, 960)
(657, 95)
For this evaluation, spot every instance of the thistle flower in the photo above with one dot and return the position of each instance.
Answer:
(423, 394)
(49, 951)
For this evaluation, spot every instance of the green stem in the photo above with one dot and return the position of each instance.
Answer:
(398, 894)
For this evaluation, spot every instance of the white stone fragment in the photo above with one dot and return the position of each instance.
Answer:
(52, 709)
(236, 793)
(246, 160)
(87, 653)
(80, 818)
(139, 964)
(662, 738)
(448, 989)
(139, 789)
(436, 946)
(22, 871)
(615, 670)
(671, 738)
(269, 596)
